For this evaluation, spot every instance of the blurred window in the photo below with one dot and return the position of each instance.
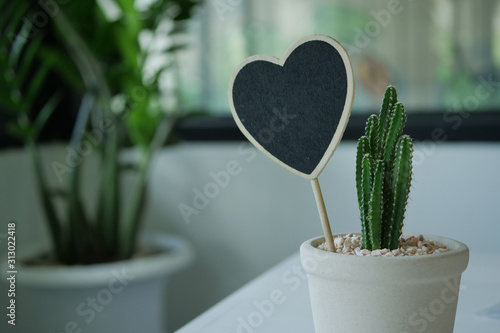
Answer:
(442, 55)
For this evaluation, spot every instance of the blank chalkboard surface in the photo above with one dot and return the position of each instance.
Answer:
(295, 109)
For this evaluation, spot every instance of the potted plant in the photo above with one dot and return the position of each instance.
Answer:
(381, 280)
(108, 53)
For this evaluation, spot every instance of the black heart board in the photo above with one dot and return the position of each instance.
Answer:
(295, 109)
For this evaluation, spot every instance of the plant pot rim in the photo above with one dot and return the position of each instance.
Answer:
(177, 254)
(369, 268)
(456, 246)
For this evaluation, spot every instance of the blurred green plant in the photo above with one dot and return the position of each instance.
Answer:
(113, 53)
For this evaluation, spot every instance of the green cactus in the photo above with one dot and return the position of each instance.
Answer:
(383, 175)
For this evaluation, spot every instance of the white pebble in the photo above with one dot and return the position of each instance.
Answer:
(409, 246)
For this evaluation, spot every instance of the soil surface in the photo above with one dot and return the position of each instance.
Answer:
(408, 246)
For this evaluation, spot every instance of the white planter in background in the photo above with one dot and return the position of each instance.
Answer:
(384, 294)
(125, 296)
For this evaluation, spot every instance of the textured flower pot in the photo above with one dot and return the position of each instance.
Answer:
(384, 294)
(126, 296)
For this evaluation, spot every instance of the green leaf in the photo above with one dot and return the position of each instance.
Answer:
(63, 65)
(175, 48)
(45, 113)
(53, 221)
(19, 130)
(35, 84)
(21, 39)
(27, 60)
(11, 10)
(7, 102)
(128, 47)
(152, 80)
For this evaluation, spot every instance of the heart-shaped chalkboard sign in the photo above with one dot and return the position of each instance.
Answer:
(295, 109)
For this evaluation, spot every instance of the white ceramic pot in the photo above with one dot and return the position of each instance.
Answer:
(384, 294)
(125, 296)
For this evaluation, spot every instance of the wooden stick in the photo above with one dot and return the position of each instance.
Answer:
(322, 214)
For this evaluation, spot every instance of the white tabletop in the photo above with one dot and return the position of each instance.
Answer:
(278, 301)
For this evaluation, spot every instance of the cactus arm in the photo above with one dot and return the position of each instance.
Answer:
(366, 189)
(376, 205)
(402, 180)
(361, 150)
(372, 133)
(390, 99)
(396, 124)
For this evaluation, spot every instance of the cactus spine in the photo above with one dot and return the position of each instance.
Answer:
(383, 175)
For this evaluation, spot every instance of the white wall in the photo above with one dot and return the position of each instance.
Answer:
(265, 212)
